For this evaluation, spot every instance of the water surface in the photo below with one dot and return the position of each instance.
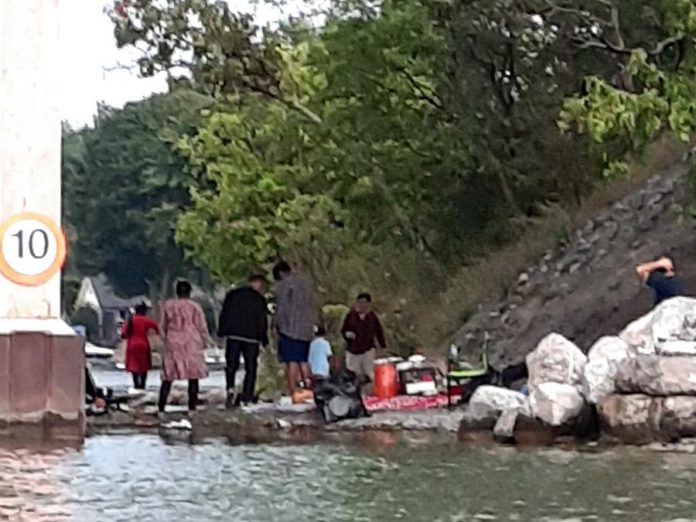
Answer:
(145, 477)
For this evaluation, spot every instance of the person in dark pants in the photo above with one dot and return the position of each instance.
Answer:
(659, 275)
(185, 334)
(244, 322)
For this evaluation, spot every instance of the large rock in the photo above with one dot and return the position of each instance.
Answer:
(678, 417)
(609, 347)
(484, 409)
(633, 419)
(556, 404)
(535, 432)
(657, 375)
(674, 326)
(677, 347)
(601, 368)
(505, 426)
(557, 360)
(491, 401)
(670, 329)
(638, 335)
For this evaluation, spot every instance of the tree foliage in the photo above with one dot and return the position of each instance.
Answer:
(656, 89)
(125, 184)
(423, 112)
(401, 130)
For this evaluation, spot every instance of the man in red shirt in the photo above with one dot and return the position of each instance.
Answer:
(364, 335)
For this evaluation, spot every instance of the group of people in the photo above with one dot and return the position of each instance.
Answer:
(183, 330)
(301, 343)
(244, 325)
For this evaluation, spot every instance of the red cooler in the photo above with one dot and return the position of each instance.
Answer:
(386, 380)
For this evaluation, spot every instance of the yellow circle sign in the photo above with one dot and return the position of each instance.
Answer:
(32, 249)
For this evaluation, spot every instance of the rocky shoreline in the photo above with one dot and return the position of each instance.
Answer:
(638, 388)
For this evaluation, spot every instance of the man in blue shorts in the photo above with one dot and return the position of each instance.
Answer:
(293, 322)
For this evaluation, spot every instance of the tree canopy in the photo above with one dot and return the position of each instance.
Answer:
(125, 183)
(381, 144)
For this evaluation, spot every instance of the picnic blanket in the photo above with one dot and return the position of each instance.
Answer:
(405, 403)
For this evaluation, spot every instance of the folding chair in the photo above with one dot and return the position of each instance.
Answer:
(456, 374)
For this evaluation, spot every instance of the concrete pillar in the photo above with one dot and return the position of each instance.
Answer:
(41, 359)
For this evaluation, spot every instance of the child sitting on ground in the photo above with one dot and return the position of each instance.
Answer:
(319, 355)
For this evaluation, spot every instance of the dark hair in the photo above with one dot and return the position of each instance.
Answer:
(256, 276)
(129, 328)
(140, 309)
(281, 267)
(364, 296)
(183, 289)
(319, 331)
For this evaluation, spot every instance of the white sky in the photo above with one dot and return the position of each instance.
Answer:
(89, 55)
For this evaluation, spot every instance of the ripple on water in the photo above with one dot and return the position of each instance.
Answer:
(145, 477)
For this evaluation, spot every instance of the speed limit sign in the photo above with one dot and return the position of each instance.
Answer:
(32, 249)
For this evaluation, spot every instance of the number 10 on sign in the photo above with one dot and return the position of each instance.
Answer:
(32, 249)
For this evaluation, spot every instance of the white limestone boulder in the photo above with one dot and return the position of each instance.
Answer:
(634, 419)
(491, 401)
(657, 376)
(504, 428)
(674, 326)
(638, 335)
(557, 360)
(600, 371)
(670, 329)
(556, 404)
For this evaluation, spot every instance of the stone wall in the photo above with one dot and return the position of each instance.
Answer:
(42, 381)
(588, 287)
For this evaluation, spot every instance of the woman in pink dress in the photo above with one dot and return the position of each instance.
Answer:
(184, 331)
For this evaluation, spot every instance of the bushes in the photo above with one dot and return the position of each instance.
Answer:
(88, 318)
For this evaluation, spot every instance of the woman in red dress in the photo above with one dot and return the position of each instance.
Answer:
(138, 355)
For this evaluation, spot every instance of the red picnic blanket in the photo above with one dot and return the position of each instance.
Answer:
(405, 403)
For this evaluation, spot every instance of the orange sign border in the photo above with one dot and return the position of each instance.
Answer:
(46, 275)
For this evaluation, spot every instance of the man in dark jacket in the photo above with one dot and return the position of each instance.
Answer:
(244, 322)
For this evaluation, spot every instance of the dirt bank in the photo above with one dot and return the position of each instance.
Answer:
(587, 287)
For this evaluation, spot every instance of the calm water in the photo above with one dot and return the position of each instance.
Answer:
(138, 477)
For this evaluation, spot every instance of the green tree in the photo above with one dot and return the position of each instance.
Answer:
(125, 184)
(656, 89)
(401, 139)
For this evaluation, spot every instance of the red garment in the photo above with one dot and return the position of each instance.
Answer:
(138, 356)
(368, 332)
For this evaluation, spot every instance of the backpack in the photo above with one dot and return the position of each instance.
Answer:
(339, 397)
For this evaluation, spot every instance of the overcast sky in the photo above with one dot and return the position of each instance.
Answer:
(90, 54)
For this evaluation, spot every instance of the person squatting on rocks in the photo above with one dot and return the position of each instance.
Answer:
(659, 275)
(138, 354)
(244, 323)
(293, 322)
(364, 335)
(185, 333)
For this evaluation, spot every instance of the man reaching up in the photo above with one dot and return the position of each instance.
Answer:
(659, 275)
